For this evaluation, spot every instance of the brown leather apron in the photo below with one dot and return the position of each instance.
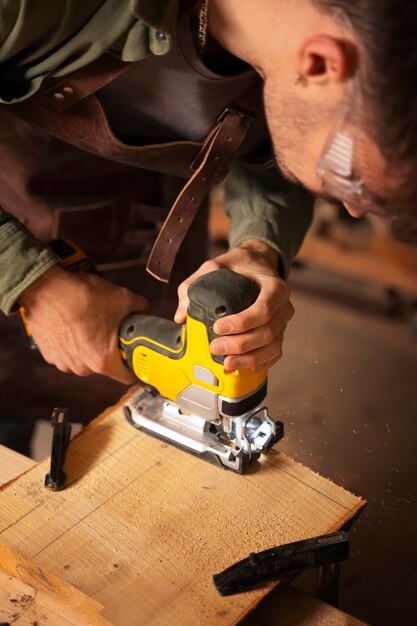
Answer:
(64, 173)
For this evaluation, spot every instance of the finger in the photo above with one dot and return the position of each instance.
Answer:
(116, 368)
(136, 303)
(67, 365)
(183, 289)
(245, 342)
(267, 365)
(254, 359)
(269, 334)
(78, 366)
(79, 370)
(62, 367)
(181, 312)
(107, 361)
(183, 301)
(113, 366)
(118, 371)
(123, 302)
(208, 266)
(259, 358)
(257, 320)
(268, 303)
(125, 377)
(52, 358)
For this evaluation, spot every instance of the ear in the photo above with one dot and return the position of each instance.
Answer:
(325, 59)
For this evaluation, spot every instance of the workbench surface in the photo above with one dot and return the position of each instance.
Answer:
(142, 526)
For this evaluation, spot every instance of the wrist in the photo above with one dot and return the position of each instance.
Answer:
(261, 248)
(35, 290)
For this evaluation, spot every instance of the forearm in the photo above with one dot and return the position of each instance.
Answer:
(23, 259)
(265, 207)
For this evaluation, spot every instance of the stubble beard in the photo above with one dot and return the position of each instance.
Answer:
(290, 120)
(282, 135)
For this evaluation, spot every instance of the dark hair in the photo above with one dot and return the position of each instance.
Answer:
(387, 31)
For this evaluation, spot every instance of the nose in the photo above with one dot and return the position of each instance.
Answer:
(353, 211)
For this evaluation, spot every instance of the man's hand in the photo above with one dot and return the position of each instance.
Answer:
(252, 339)
(74, 319)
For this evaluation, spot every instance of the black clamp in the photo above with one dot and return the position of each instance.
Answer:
(61, 436)
(261, 568)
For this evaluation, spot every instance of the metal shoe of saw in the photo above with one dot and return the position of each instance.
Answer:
(190, 400)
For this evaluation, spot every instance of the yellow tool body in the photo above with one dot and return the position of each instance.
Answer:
(190, 399)
(171, 369)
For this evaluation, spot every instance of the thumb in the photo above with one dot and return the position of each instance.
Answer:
(134, 303)
(139, 303)
(183, 301)
(117, 368)
(181, 313)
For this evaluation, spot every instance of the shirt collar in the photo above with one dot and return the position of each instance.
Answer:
(159, 14)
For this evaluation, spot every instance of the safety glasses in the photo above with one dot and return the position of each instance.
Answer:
(346, 159)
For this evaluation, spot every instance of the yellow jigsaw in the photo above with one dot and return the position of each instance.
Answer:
(189, 398)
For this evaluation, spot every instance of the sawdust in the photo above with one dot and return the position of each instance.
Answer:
(148, 525)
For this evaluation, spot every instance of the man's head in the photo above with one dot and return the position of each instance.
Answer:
(340, 95)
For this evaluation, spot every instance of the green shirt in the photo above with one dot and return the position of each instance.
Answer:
(40, 38)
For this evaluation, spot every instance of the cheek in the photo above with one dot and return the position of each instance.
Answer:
(297, 140)
(280, 121)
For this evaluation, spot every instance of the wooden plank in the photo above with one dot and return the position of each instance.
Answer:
(142, 526)
(12, 464)
(31, 595)
(285, 605)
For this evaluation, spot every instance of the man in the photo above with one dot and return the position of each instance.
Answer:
(333, 87)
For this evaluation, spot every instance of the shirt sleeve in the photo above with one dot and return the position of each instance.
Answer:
(23, 259)
(264, 206)
(55, 38)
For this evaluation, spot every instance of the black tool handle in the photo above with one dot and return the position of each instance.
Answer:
(161, 335)
(212, 296)
(218, 294)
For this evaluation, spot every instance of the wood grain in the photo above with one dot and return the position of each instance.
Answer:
(142, 526)
(12, 463)
(31, 595)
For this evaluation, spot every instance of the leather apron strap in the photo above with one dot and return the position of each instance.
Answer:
(212, 164)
